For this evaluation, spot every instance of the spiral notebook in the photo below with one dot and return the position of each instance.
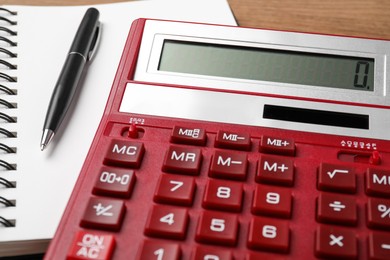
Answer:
(34, 41)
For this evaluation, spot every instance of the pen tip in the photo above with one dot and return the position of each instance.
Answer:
(46, 138)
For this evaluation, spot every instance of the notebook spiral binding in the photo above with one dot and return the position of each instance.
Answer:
(7, 88)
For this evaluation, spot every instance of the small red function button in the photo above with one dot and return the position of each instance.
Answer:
(223, 195)
(275, 170)
(186, 135)
(269, 234)
(211, 253)
(378, 182)
(182, 159)
(229, 165)
(274, 145)
(333, 242)
(175, 189)
(272, 201)
(217, 228)
(379, 246)
(115, 182)
(91, 245)
(103, 214)
(157, 250)
(339, 178)
(232, 140)
(167, 222)
(124, 153)
(378, 213)
(336, 208)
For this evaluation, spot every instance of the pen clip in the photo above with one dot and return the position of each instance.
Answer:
(95, 41)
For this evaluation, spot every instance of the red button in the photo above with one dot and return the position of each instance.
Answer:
(91, 245)
(334, 242)
(272, 201)
(181, 159)
(233, 140)
(167, 221)
(336, 208)
(217, 228)
(186, 135)
(269, 234)
(339, 178)
(156, 250)
(378, 182)
(114, 182)
(229, 165)
(274, 145)
(265, 256)
(275, 170)
(378, 213)
(211, 253)
(124, 153)
(379, 246)
(103, 214)
(223, 195)
(175, 189)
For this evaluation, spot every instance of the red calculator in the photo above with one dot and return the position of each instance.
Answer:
(221, 143)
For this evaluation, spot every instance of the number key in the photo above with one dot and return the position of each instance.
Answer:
(269, 234)
(211, 253)
(153, 250)
(217, 228)
(175, 189)
(114, 182)
(272, 201)
(223, 195)
(167, 221)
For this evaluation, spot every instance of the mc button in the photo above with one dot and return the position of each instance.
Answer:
(124, 153)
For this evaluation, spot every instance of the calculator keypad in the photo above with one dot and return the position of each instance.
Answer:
(197, 194)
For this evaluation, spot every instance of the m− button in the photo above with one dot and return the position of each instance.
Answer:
(229, 165)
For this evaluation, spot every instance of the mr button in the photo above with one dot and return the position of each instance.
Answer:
(124, 153)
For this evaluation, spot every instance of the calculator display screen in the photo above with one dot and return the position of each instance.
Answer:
(271, 65)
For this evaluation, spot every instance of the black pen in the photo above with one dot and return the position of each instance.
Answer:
(82, 49)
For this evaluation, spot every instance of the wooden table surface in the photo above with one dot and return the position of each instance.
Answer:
(364, 18)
